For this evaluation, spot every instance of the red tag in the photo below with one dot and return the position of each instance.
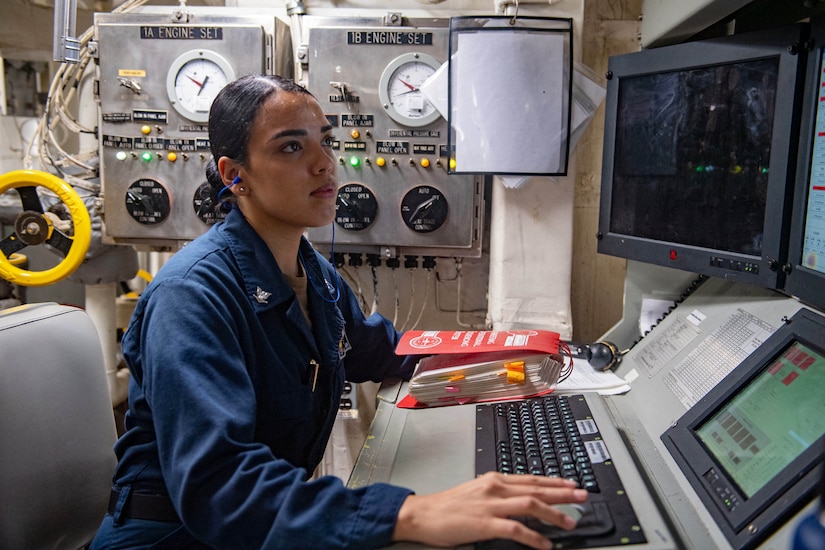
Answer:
(435, 342)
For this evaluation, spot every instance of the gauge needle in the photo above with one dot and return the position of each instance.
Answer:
(196, 82)
(422, 208)
(203, 85)
(410, 86)
(404, 93)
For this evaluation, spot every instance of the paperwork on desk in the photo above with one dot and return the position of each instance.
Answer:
(469, 378)
(496, 366)
(585, 378)
(459, 367)
(582, 378)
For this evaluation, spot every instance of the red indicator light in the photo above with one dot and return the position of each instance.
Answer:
(673, 255)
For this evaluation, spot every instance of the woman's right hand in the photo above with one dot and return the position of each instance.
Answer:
(483, 509)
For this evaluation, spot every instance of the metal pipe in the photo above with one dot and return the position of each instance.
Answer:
(100, 305)
(65, 46)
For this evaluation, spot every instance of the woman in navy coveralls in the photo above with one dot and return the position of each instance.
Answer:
(238, 351)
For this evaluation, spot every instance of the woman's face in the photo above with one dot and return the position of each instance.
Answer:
(289, 180)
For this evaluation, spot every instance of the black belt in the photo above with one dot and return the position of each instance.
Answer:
(144, 506)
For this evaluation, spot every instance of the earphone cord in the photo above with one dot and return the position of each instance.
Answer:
(331, 261)
(332, 246)
(226, 188)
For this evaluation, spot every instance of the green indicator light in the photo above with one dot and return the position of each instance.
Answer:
(146, 157)
(354, 162)
(120, 155)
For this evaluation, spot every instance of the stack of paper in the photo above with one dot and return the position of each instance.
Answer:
(464, 378)
(467, 365)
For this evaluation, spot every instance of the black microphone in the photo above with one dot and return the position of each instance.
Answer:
(601, 355)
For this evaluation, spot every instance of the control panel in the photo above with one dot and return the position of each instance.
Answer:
(157, 77)
(395, 195)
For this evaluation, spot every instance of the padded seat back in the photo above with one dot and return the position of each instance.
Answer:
(57, 428)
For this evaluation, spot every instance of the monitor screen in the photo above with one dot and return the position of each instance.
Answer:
(752, 448)
(767, 424)
(806, 258)
(697, 140)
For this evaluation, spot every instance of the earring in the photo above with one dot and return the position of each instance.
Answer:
(242, 189)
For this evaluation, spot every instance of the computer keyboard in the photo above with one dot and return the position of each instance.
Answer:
(556, 435)
(541, 437)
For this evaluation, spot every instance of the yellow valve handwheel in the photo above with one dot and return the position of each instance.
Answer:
(33, 227)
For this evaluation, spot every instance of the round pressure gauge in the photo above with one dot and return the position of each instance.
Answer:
(424, 209)
(400, 93)
(355, 207)
(193, 81)
(147, 201)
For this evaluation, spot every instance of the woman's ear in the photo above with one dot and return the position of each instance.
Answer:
(229, 170)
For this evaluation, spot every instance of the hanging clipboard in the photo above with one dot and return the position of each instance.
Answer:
(509, 90)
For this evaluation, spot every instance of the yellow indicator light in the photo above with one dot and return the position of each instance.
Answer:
(381, 161)
(172, 156)
(145, 129)
(452, 164)
(425, 163)
(146, 157)
(121, 155)
(354, 162)
(355, 134)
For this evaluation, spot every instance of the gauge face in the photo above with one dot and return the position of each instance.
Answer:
(204, 207)
(147, 201)
(399, 89)
(193, 81)
(355, 207)
(424, 209)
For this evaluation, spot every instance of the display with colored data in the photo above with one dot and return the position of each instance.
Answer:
(813, 247)
(772, 421)
(752, 447)
(805, 267)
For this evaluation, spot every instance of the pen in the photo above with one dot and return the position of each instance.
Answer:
(314, 364)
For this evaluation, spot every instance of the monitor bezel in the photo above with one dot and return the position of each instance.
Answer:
(784, 43)
(759, 515)
(804, 283)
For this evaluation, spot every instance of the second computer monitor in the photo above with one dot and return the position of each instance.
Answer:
(806, 258)
(699, 149)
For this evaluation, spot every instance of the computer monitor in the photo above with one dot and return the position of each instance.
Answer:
(696, 168)
(753, 447)
(806, 258)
